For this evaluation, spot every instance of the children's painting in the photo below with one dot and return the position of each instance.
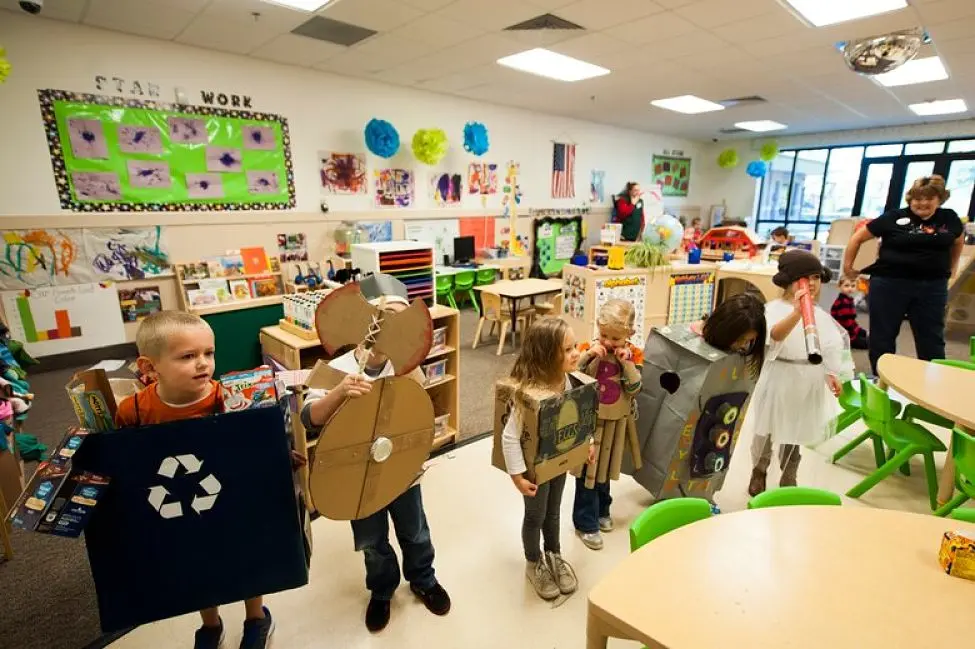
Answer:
(447, 188)
(204, 185)
(149, 174)
(262, 182)
(292, 246)
(673, 174)
(126, 254)
(342, 173)
(140, 139)
(597, 186)
(394, 188)
(224, 159)
(187, 130)
(96, 186)
(482, 178)
(377, 231)
(139, 303)
(512, 187)
(260, 138)
(87, 137)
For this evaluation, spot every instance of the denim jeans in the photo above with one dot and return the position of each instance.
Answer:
(590, 504)
(372, 539)
(923, 301)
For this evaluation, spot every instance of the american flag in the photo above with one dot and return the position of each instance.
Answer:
(564, 171)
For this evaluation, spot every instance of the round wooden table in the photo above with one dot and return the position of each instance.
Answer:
(947, 391)
(796, 577)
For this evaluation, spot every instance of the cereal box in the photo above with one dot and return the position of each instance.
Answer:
(250, 389)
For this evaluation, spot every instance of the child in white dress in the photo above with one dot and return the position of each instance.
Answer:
(794, 402)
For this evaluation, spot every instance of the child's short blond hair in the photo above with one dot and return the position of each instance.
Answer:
(154, 332)
(617, 314)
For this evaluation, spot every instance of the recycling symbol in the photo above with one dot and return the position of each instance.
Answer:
(167, 468)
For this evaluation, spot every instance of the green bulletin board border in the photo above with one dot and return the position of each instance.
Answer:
(48, 97)
(674, 166)
(554, 266)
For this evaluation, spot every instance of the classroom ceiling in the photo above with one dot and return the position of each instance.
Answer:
(715, 49)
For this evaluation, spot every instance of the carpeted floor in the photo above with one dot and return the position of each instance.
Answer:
(47, 597)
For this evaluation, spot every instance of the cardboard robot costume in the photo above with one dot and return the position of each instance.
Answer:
(691, 410)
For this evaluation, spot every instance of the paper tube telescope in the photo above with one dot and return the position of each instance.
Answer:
(810, 334)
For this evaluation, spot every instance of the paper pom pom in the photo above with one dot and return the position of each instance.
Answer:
(382, 139)
(5, 66)
(768, 151)
(728, 158)
(476, 138)
(756, 168)
(429, 145)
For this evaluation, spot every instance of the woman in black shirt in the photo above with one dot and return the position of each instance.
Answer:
(919, 250)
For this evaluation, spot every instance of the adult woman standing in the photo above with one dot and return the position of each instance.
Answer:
(628, 210)
(919, 250)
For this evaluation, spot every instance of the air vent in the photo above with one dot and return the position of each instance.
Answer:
(730, 131)
(743, 101)
(545, 21)
(333, 31)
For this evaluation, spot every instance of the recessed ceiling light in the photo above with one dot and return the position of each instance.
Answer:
(300, 5)
(942, 107)
(761, 126)
(916, 71)
(546, 63)
(829, 12)
(688, 104)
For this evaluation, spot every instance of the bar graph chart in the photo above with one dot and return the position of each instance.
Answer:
(63, 328)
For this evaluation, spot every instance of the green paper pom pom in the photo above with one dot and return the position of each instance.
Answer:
(769, 151)
(430, 145)
(728, 158)
(5, 66)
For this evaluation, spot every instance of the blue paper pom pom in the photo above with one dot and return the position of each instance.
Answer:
(382, 139)
(475, 138)
(756, 169)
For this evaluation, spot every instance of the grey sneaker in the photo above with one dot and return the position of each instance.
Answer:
(565, 576)
(540, 576)
(606, 524)
(592, 540)
(257, 633)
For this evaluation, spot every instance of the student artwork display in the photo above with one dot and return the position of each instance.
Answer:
(377, 231)
(691, 297)
(482, 178)
(597, 186)
(554, 241)
(673, 174)
(574, 296)
(117, 154)
(43, 257)
(139, 303)
(633, 289)
(60, 319)
(342, 173)
(394, 187)
(512, 187)
(292, 246)
(446, 188)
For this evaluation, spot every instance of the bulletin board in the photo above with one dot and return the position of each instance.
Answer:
(673, 174)
(555, 240)
(117, 154)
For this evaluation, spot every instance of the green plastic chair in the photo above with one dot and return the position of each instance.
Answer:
(666, 516)
(445, 289)
(464, 284)
(914, 412)
(851, 402)
(963, 452)
(904, 438)
(965, 514)
(483, 277)
(790, 496)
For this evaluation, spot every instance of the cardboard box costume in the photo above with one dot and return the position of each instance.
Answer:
(691, 408)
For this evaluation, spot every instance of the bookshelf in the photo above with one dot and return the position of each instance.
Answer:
(232, 300)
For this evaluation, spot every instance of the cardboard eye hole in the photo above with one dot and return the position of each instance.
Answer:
(670, 382)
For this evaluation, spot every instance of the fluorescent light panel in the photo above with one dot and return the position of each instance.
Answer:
(687, 104)
(761, 126)
(942, 107)
(915, 71)
(300, 5)
(820, 13)
(546, 63)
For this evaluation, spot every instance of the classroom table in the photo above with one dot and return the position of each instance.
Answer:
(451, 270)
(944, 390)
(518, 289)
(799, 577)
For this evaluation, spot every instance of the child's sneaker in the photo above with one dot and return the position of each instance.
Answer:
(209, 637)
(606, 524)
(592, 540)
(257, 633)
(564, 575)
(540, 576)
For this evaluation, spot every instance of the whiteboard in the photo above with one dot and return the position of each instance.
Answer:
(59, 319)
(439, 233)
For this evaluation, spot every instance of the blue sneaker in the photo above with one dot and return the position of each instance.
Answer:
(715, 510)
(257, 633)
(209, 637)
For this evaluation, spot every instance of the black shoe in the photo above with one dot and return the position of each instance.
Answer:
(209, 637)
(435, 599)
(377, 615)
(257, 633)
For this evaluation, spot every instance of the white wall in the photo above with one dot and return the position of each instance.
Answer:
(324, 112)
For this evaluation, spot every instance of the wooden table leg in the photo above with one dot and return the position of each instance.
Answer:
(596, 635)
(514, 320)
(946, 481)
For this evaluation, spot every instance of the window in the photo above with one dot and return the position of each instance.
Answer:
(807, 184)
(922, 148)
(960, 182)
(876, 189)
(840, 191)
(961, 146)
(884, 150)
(775, 188)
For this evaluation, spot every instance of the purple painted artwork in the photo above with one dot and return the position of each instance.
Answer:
(149, 174)
(259, 137)
(87, 138)
(223, 159)
(96, 186)
(394, 187)
(186, 130)
(139, 139)
(262, 182)
(204, 185)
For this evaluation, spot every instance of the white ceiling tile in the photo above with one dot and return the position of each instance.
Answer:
(692, 44)
(483, 49)
(143, 18)
(600, 14)
(493, 15)
(394, 48)
(550, 5)
(945, 10)
(714, 13)
(760, 27)
(438, 31)
(216, 33)
(542, 37)
(277, 18)
(589, 45)
(67, 10)
(674, 4)
(455, 82)
(874, 26)
(427, 5)
(950, 31)
(380, 15)
(652, 28)
(297, 50)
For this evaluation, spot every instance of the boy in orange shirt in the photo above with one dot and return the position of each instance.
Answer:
(176, 352)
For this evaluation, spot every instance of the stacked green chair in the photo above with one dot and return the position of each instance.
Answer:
(464, 284)
(902, 437)
(792, 496)
(666, 516)
(966, 514)
(850, 401)
(485, 276)
(963, 453)
(445, 290)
